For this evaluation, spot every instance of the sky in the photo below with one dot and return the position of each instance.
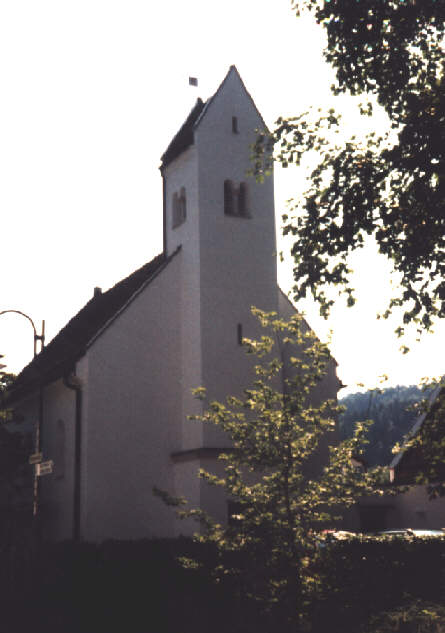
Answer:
(92, 93)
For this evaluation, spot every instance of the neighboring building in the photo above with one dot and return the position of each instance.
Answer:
(416, 508)
(115, 383)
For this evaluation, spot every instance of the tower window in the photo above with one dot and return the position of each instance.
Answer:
(229, 198)
(179, 206)
(235, 199)
(239, 333)
(235, 125)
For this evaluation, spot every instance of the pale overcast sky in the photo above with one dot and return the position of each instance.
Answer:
(92, 93)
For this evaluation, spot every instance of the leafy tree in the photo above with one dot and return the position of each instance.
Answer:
(6, 381)
(15, 481)
(389, 186)
(286, 484)
(420, 616)
(14, 445)
(424, 452)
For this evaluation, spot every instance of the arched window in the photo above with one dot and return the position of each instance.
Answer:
(179, 208)
(235, 199)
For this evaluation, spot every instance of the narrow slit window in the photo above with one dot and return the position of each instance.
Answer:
(235, 125)
(182, 205)
(239, 333)
(229, 206)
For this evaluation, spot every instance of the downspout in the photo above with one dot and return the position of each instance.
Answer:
(71, 381)
(38, 448)
(164, 213)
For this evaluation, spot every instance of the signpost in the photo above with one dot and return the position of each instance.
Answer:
(44, 468)
(35, 458)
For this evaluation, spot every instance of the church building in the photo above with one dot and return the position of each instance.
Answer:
(110, 394)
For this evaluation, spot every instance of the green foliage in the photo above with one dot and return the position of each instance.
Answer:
(419, 616)
(140, 586)
(393, 413)
(14, 452)
(424, 452)
(15, 472)
(286, 483)
(364, 579)
(6, 381)
(389, 186)
(14, 446)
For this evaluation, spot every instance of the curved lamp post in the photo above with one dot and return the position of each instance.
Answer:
(37, 337)
(41, 338)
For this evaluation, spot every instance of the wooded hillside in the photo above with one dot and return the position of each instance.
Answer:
(393, 414)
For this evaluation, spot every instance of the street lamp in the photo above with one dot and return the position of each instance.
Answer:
(38, 438)
(37, 337)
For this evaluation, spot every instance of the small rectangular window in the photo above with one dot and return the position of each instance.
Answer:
(179, 208)
(235, 125)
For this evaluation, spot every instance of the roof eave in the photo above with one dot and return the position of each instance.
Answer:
(43, 380)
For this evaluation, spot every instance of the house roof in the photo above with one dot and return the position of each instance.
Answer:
(407, 458)
(71, 343)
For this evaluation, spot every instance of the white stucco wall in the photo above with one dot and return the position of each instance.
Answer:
(330, 384)
(55, 489)
(414, 509)
(238, 255)
(133, 415)
(183, 173)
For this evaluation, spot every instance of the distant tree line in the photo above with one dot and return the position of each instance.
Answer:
(393, 413)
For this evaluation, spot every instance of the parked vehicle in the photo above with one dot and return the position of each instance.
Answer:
(413, 532)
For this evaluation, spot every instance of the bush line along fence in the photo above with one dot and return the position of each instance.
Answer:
(141, 587)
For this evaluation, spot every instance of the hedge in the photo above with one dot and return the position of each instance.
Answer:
(141, 587)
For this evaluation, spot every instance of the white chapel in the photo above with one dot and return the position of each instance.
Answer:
(112, 391)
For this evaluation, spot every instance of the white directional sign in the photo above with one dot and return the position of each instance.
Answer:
(35, 458)
(45, 468)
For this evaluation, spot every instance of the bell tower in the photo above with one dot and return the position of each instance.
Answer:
(224, 222)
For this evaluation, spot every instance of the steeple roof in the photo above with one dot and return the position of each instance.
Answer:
(184, 137)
